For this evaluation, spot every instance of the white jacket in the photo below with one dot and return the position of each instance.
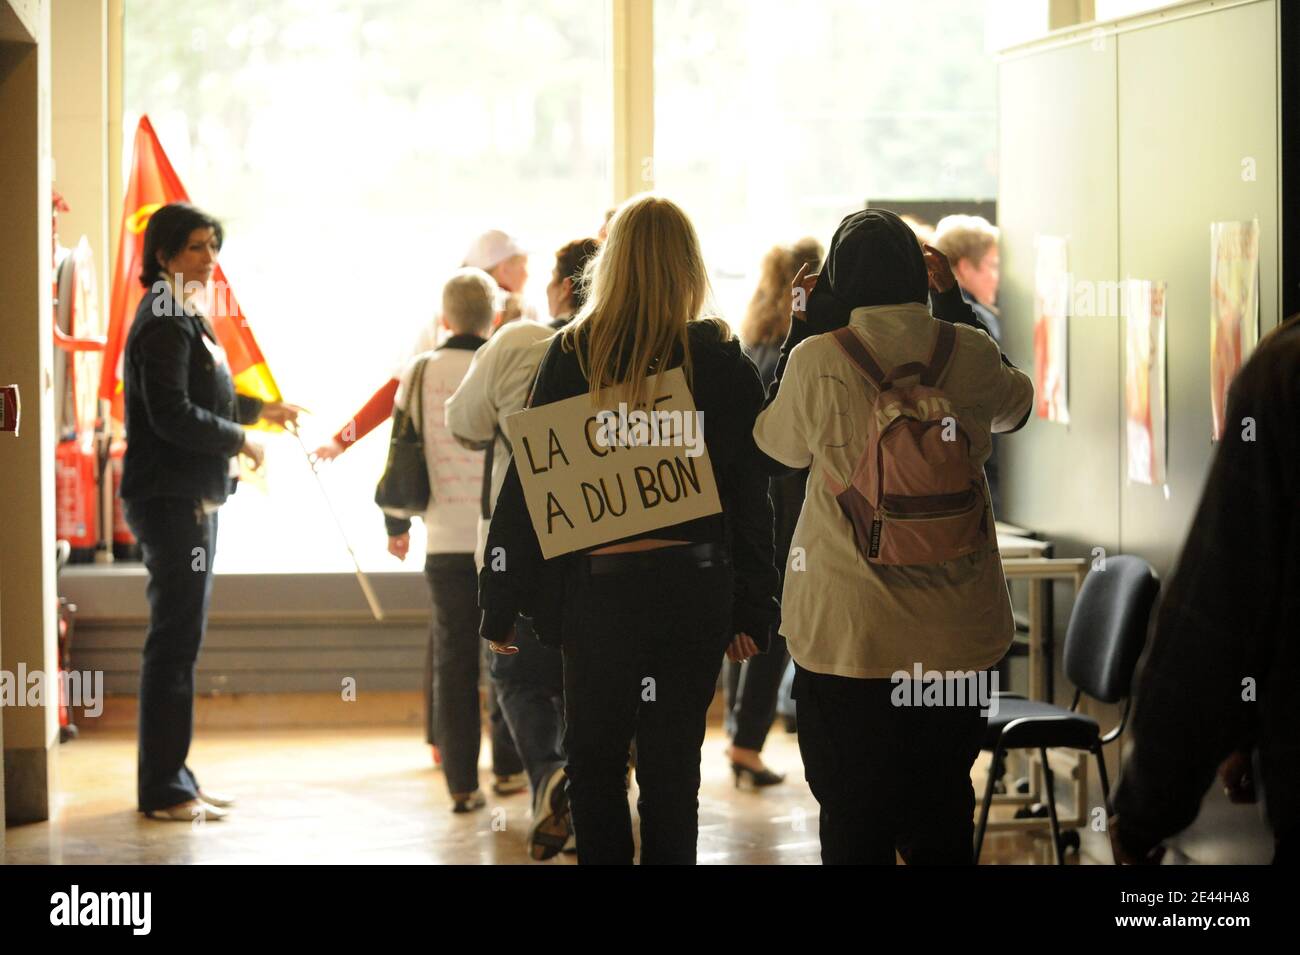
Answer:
(455, 472)
(495, 386)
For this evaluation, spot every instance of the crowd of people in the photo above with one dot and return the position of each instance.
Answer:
(848, 427)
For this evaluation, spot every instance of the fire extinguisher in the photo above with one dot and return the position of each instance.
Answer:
(125, 546)
(75, 490)
(77, 322)
(67, 617)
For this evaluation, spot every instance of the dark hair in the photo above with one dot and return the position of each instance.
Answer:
(168, 231)
(570, 261)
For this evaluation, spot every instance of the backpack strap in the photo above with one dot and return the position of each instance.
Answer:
(485, 492)
(945, 343)
(931, 371)
(911, 369)
(858, 354)
(415, 389)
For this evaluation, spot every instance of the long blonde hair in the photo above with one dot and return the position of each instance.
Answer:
(644, 286)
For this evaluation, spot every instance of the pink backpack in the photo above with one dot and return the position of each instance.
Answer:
(915, 496)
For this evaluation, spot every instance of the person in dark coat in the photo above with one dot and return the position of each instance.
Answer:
(1218, 689)
(183, 431)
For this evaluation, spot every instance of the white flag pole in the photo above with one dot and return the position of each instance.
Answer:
(362, 579)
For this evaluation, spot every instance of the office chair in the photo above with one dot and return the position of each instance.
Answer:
(1104, 639)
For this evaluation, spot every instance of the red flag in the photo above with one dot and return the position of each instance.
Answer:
(154, 184)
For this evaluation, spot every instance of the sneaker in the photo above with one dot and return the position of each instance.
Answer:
(468, 802)
(551, 828)
(509, 785)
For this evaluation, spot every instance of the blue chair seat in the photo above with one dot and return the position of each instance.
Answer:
(1031, 724)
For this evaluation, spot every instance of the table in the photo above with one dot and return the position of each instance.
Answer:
(1028, 559)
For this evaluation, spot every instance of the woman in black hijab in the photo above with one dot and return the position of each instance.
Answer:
(874, 259)
(885, 778)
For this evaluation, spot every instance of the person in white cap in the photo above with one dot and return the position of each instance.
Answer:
(500, 255)
(504, 258)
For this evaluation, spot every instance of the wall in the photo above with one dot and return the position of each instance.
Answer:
(79, 126)
(1108, 141)
(272, 633)
(1128, 138)
(26, 358)
(1198, 125)
(1057, 148)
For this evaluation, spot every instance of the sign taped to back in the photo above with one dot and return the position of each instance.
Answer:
(592, 475)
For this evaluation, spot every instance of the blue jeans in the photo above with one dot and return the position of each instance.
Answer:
(530, 688)
(178, 542)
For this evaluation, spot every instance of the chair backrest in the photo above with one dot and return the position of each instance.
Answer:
(1108, 627)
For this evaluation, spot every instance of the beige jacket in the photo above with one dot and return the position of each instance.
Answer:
(840, 614)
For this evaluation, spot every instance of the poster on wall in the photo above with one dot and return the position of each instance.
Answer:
(1234, 307)
(1144, 381)
(1051, 345)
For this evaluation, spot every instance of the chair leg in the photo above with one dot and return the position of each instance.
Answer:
(1049, 783)
(988, 802)
(1105, 789)
(999, 771)
(1101, 774)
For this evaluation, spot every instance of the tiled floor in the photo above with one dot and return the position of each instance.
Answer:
(371, 795)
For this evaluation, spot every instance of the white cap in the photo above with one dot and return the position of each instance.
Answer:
(491, 249)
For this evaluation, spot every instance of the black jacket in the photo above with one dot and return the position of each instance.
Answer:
(182, 413)
(726, 388)
(1225, 661)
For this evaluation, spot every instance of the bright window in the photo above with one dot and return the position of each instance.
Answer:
(352, 149)
(773, 121)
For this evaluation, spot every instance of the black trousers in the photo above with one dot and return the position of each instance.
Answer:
(751, 691)
(455, 654)
(642, 651)
(887, 777)
(178, 542)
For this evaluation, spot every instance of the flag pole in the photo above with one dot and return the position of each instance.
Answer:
(376, 610)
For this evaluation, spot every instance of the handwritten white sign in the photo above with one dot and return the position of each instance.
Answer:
(592, 474)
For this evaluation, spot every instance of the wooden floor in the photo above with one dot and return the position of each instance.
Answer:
(371, 795)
